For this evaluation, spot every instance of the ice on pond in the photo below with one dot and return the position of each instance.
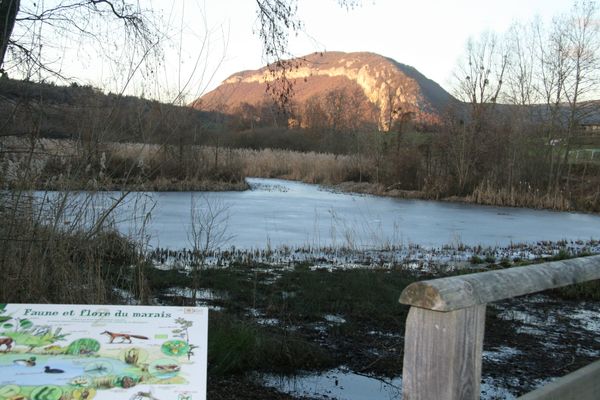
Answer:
(279, 212)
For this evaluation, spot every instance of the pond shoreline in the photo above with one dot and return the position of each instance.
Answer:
(374, 189)
(278, 213)
(349, 187)
(158, 186)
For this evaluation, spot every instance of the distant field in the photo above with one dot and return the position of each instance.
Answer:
(586, 154)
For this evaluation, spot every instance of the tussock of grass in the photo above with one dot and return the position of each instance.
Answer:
(370, 295)
(236, 346)
(476, 260)
(159, 279)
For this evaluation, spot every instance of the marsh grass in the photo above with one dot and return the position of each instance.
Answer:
(588, 291)
(305, 303)
(305, 295)
(358, 295)
(42, 266)
(63, 248)
(237, 346)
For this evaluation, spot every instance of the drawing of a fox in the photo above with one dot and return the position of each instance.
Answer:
(123, 336)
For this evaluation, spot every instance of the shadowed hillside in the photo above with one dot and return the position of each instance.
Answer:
(69, 112)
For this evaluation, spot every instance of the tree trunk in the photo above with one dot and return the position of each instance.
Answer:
(8, 14)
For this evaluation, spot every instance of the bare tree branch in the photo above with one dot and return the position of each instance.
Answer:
(278, 19)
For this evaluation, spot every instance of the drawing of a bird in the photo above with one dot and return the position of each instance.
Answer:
(28, 363)
(49, 370)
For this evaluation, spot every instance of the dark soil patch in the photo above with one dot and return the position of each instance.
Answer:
(549, 342)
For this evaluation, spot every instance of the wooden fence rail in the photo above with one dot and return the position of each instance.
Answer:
(445, 327)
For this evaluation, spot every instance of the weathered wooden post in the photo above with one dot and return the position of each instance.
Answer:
(446, 322)
(443, 342)
(442, 354)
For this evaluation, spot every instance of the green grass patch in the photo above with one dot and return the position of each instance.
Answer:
(589, 291)
(236, 346)
(368, 295)
(475, 259)
(159, 279)
(300, 299)
(303, 295)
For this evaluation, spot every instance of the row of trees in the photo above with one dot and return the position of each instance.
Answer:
(528, 93)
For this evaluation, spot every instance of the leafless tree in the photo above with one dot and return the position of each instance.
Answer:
(568, 69)
(8, 14)
(582, 32)
(521, 93)
(209, 230)
(481, 74)
(399, 102)
(38, 26)
(520, 71)
(479, 82)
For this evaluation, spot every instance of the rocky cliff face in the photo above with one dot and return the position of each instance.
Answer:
(395, 90)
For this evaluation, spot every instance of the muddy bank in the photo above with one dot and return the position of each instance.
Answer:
(498, 199)
(146, 186)
(300, 319)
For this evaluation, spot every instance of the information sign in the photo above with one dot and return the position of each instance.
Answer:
(54, 352)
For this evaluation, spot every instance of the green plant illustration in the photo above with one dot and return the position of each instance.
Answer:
(49, 392)
(83, 346)
(3, 318)
(9, 391)
(25, 333)
(183, 333)
(175, 348)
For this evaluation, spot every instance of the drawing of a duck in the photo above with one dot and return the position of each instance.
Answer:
(27, 363)
(49, 370)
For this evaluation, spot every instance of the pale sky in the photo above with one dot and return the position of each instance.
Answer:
(429, 35)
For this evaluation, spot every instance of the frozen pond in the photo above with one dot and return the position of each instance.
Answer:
(278, 212)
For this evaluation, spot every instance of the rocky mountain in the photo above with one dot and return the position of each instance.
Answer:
(391, 90)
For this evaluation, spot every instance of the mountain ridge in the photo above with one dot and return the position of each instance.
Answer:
(392, 87)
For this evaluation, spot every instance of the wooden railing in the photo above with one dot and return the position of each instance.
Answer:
(445, 327)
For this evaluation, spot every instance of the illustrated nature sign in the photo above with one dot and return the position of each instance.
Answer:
(80, 352)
